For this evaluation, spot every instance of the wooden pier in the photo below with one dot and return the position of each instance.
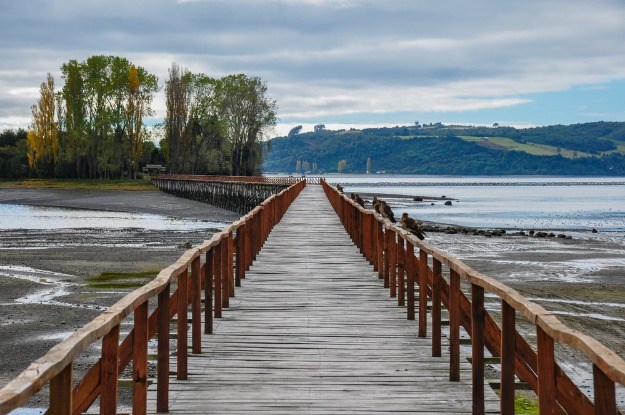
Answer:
(310, 303)
(312, 331)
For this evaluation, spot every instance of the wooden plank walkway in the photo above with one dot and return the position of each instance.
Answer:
(313, 331)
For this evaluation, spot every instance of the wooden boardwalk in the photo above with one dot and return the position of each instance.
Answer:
(313, 331)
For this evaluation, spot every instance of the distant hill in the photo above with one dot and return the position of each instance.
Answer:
(581, 149)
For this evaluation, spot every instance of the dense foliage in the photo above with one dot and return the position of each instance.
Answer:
(215, 126)
(435, 149)
(13, 158)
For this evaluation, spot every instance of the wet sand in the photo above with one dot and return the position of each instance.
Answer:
(48, 296)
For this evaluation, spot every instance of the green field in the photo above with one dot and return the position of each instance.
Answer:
(80, 184)
(503, 143)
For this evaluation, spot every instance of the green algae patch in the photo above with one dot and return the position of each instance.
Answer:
(526, 406)
(121, 280)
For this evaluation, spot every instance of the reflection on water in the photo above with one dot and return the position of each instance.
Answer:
(558, 203)
(30, 217)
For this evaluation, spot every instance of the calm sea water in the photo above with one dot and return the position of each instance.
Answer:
(34, 217)
(510, 202)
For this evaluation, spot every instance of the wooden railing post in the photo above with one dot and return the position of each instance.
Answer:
(423, 293)
(508, 356)
(225, 274)
(108, 372)
(546, 373)
(436, 307)
(196, 307)
(240, 249)
(410, 281)
(181, 341)
(380, 247)
(401, 272)
(393, 264)
(162, 390)
(454, 326)
(140, 360)
(477, 347)
(208, 293)
(61, 392)
(217, 279)
(387, 257)
(231, 278)
(605, 393)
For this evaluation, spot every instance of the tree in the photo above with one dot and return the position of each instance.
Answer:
(298, 166)
(177, 95)
(295, 131)
(248, 113)
(43, 138)
(319, 127)
(368, 164)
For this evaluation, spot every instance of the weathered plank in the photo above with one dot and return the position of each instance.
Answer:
(312, 330)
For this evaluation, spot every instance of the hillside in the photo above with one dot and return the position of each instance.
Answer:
(580, 149)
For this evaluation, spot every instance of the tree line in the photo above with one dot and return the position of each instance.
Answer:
(94, 126)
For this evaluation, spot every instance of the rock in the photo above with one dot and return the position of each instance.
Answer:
(551, 235)
(186, 245)
(431, 204)
(541, 234)
(531, 232)
(417, 199)
(568, 237)
(448, 203)
(561, 235)
(594, 230)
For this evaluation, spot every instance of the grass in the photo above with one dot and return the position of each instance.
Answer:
(78, 184)
(121, 280)
(504, 143)
(525, 406)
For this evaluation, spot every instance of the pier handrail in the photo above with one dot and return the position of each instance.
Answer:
(219, 263)
(393, 252)
(276, 180)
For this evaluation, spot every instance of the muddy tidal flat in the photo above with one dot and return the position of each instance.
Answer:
(66, 255)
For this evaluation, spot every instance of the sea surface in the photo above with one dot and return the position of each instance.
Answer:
(508, 202)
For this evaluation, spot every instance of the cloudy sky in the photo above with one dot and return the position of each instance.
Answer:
(344, 62)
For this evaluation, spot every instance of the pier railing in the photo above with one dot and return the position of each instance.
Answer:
(279, 180)
(216, 267)
(404, 262)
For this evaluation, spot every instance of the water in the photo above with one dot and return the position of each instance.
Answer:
(513, 202)
(49, 218)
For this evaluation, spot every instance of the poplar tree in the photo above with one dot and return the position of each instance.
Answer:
(42, 138)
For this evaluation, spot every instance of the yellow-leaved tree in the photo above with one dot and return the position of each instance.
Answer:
(43, 135)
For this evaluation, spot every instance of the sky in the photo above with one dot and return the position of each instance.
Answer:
(343, 63)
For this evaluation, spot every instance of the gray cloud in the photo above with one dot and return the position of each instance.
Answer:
(325, 57)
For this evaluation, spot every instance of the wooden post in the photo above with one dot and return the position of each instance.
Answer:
(225, 275)
(108, 372)
(393, 264)
(605, 394)
(546, 373)
(231, 277)
(508, 356)
(196, 307)
(140, 360)
(401, 272)
(454, 326)
(436, 307)
(240, 273)
(410, 281)
(423, 293)
(162, 390)
(477, 347)
(217, 279)
(208, 293)
(380, 249)
(61, 392)
(181, 343)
